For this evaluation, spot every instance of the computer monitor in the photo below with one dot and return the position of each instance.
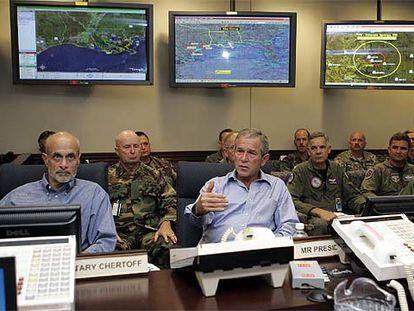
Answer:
(8, 293)
(225, 49)
(41, 220)
(81, 42)
(384, 205)
(368, 54)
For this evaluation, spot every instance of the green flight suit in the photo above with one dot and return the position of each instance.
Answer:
(351, 163)
(145, 200)
(385, 179)
(309, 190)
(409, 189)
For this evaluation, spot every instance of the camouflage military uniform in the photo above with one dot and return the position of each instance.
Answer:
(215, 157)
(146, 200)
(290, 161)
(385, 179)
(166, 169)
(309, 190)
(351, 163)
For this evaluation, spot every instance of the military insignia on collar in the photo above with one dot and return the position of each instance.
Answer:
(369, 173)
(332, 181)
(395, 178)
(316, 182)
(408, 177)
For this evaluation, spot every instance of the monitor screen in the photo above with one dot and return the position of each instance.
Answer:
(8, 292)
(240, 49)
(385, 205)
(368, 55)
(81, 42)
(45, 220)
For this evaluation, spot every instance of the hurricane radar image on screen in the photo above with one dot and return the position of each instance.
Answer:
(232, 49)
(82, 43)
(369, 55)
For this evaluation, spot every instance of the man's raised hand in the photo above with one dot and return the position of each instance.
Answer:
(210, 201)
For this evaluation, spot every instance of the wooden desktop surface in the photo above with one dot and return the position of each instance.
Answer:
(167, 289)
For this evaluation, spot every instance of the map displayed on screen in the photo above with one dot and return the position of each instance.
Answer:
(82, 43)
(369, 55)
(232, 49)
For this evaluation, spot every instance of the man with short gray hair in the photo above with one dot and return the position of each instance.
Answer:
(245, 197)
(320, 187)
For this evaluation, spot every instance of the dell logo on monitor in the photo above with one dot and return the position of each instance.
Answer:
(17, 233)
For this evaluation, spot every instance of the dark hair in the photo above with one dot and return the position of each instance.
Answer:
(227, 130)
(139, 133)
(400, 136)
(408, 132)
(302, 129)
(42, 138)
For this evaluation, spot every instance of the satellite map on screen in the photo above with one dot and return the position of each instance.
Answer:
(214, 49)
(69, 41)
(370, 57)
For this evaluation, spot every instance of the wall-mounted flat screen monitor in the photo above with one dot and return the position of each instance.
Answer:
(81, 42)
(232, 49)
(368, 54)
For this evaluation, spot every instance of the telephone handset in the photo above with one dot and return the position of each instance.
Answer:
(247, 234)
(383, 250)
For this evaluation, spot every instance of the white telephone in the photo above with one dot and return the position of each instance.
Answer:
(383, 250)
(385, 244)
(247, 234)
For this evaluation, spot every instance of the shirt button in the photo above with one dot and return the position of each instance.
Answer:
(247, 214)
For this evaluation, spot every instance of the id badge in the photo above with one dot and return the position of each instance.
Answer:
(116, 208)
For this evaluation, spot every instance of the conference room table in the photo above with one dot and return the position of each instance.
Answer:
(174, 290)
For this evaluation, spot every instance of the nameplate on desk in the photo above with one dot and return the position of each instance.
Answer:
(111, 264)
(318, 248)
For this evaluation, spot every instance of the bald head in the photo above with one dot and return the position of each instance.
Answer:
(124, 135)
(128, 149)
(62, 158)
(357, 142)
(61, 140)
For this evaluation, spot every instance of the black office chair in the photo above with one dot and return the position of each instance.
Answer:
(13, 176)
(191, 177)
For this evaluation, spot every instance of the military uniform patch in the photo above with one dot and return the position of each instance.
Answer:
(316, 182)
(408, 177)
(369, 173)
(332, 181)
(395, 178)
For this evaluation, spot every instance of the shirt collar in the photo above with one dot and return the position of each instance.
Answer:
(262, 177)
(66, 187)
(387, 163)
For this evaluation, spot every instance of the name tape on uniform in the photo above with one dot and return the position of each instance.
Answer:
(111, 265)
